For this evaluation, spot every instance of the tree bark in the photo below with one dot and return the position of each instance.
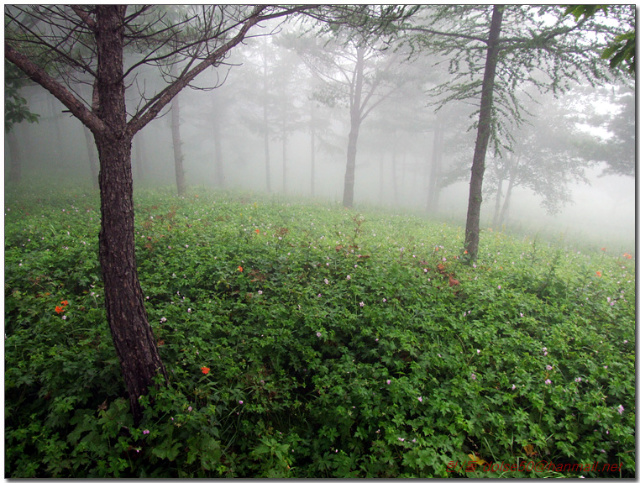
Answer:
(356, 120)
(130, 329)
(472, 231)
(177, 146)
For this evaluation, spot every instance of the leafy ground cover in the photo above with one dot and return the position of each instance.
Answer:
(304, 340)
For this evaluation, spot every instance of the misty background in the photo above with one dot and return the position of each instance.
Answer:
(275, 103)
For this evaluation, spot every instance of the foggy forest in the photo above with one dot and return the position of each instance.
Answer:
(319, 241)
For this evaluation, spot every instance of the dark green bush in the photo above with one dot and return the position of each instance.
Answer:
(334, 343)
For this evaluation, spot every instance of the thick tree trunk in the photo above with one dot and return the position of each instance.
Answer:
(177, 146)
(15, 158)
(472, 232)
(93, 159)
(132, 334)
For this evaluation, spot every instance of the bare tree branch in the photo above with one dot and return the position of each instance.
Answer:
(37, 74)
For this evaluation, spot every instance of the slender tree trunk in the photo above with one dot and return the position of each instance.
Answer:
(394, 170)
(504, 213)
(434, 175)
(132, 334)
(265, 117)
(217, 153)
(177, 145)
(15, 158)
(284, 152)
(472, 232)
(93, 158)
(356, 120)
(55, 149)
(381, 175)
(350, 176)
(313, 150)
(496, 210)
(513, 175)
(267, 156)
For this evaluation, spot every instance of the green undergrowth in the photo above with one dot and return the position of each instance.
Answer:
(306, 340)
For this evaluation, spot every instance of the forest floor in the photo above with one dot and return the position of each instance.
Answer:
(306, 340)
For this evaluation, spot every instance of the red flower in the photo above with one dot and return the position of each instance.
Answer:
(258, 231)
(59, 309)
(240, 269)
(205, 370)
(598, 273)
(64, 302)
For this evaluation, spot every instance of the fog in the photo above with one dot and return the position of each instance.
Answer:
(308, 128)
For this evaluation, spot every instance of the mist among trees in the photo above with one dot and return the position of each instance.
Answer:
(488, 116)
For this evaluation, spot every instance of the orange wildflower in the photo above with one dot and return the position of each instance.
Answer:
(64, 302)
(240, 269)
(205, 370)
(628, 256)
(59, 309)
(598, 273)
(258, 231)
(604, 249)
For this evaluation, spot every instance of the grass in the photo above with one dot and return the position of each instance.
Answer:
(305, 340)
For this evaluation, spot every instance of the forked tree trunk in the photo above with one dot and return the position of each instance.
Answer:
(356, 120)
(132, 334)
(472, 231)
(513, 175)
